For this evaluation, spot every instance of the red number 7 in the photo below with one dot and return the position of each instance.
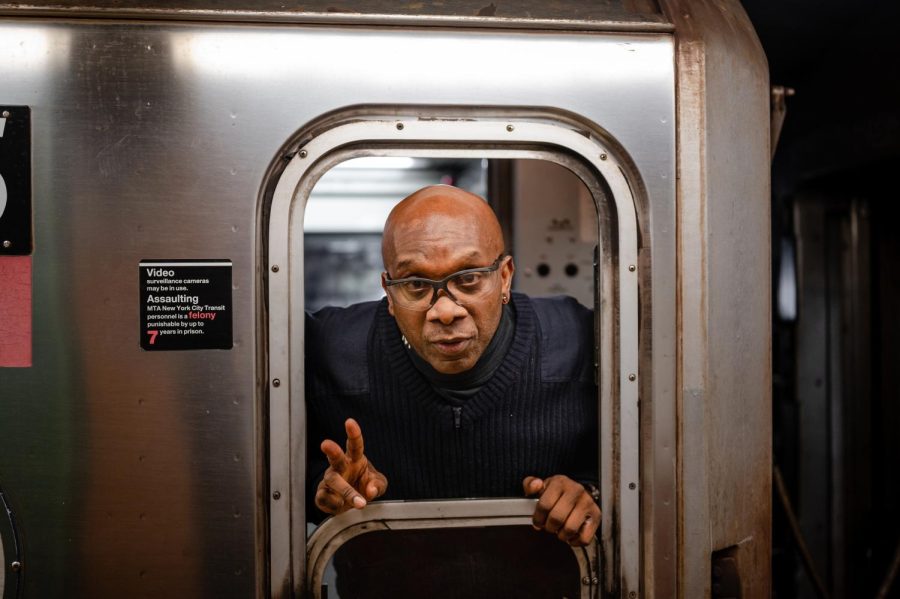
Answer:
(153, 335)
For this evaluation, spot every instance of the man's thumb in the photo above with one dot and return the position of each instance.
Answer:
(532, 485)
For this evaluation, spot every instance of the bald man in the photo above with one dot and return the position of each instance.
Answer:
(462, 388)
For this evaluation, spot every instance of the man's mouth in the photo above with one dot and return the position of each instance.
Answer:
(451, 346)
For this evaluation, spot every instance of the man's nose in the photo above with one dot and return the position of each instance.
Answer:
(445, 310)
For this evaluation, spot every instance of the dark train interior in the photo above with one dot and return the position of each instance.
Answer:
(836, 288)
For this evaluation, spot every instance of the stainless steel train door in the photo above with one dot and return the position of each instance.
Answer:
(179, 134)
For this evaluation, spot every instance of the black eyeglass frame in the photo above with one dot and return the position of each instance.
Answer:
(442, 284)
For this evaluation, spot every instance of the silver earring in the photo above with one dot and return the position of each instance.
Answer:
(505, 299)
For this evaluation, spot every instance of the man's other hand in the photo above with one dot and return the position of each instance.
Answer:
(350, 480)
(564, 508)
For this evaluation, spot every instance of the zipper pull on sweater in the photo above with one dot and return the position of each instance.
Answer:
(457, 417)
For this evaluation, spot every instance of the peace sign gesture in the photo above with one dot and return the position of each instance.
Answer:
(350, 481)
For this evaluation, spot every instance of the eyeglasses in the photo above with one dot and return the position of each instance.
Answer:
(420, 294)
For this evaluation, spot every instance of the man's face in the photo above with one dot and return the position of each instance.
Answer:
(449, 336)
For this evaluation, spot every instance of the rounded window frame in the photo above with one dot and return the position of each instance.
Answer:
(608, 173)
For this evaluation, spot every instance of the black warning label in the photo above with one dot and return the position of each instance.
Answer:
(185, 304)
(15, 180)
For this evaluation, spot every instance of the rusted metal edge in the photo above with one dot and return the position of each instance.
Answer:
(643, 23)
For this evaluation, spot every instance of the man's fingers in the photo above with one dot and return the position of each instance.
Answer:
(560, 512)
(328, 501)
(580, 516)
(336, 483)
(566, 509)
(532, 485)
(355, 446)
(371, 492)
(376, 485)
(549, 497)
(336, 457)
(589, 529)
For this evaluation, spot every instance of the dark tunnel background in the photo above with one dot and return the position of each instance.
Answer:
(836, 291)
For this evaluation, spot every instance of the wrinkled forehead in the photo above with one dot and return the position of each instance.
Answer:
(440, 241)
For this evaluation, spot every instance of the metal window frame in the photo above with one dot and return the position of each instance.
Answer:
(565, 16)
(517, 136)
(418, 515)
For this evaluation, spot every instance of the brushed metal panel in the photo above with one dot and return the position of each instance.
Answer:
(527, 9)
(140, 473)
(634, 15)
(724, 417)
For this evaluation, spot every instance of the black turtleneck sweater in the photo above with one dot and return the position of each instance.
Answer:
(534, 414)
(460, 387)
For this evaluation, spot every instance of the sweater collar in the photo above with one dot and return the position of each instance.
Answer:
(388, 339)
(483, 370)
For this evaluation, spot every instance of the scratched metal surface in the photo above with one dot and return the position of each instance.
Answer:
(140, 474)
(725, 375)
(560, 14)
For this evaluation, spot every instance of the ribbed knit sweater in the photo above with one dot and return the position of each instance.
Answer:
(537, 415)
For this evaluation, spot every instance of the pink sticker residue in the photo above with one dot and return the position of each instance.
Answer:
(15, 311)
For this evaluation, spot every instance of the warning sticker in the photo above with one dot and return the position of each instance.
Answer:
(185, 304)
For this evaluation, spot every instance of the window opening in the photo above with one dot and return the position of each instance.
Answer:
(603, 168)
(549, 218)
(498, 561)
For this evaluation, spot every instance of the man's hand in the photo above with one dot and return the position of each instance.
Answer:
(350, 480)
(564, 508)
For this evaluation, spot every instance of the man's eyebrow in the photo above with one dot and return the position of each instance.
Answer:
(466, 259)
(471, 256)
(403, 264)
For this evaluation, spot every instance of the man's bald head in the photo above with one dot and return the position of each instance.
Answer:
(431, 210)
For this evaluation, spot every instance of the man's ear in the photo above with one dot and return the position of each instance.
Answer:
(390, 301)
(506, 275)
